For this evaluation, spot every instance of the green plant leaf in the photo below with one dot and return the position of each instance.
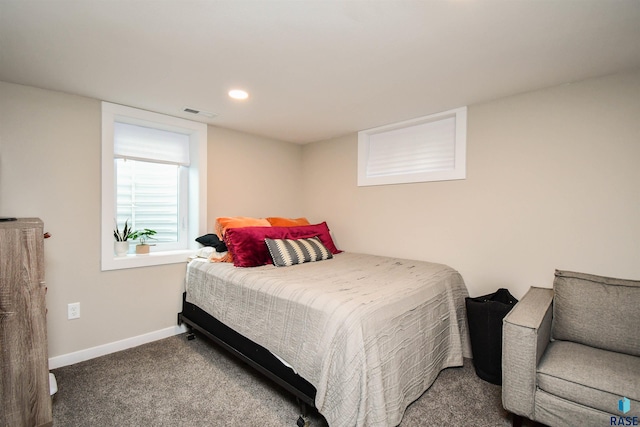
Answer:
(124, 235)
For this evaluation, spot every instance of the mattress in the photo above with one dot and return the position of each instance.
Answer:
(369, 333)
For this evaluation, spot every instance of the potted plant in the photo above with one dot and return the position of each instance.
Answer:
(121, 245)
(142, 236)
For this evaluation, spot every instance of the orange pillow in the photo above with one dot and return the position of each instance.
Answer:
(224, 223)
(277, 221)
(225, 258)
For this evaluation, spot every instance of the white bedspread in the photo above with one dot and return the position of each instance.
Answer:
(370, 333)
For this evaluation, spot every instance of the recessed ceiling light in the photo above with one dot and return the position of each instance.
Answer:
(238, 94)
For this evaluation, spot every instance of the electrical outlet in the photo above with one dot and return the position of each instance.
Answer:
(73, 311)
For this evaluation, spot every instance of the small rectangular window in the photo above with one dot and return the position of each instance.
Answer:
(153, 176)
(430, 148)
(151, 191)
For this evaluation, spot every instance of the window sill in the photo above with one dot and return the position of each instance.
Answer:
(113, 262)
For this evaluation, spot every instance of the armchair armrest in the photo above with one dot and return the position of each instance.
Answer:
(526, 331)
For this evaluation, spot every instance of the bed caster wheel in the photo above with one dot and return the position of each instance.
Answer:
(191, 336)
(302, 422)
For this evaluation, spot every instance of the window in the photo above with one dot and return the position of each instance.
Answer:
(152, 182)
(153, 176)
(430, 148)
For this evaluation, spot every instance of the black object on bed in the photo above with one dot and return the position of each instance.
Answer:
(248, 351)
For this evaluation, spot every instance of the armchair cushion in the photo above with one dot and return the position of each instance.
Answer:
(567, 371)
(596, 311)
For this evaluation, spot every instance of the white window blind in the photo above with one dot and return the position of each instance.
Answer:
(431, 148)
(422, 148)
(140, 142)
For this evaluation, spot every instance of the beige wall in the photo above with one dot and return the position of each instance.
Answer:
(50, 168)
(553, 181)
(252, 176)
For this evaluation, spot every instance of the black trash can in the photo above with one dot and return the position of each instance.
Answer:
(484, 316)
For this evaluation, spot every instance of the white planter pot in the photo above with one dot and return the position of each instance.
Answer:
(121, 248)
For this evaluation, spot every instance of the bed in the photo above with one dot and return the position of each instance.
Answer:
(357, 337)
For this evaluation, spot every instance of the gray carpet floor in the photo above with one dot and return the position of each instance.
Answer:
(177, 382)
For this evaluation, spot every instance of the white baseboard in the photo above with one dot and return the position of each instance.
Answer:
(101, 350)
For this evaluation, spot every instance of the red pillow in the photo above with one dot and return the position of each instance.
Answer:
(224, 223)
(248, 248)
(321, 230)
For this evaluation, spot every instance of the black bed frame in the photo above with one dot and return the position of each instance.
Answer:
(249, 352)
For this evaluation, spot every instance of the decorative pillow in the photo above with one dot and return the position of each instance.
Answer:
(288, 252)
(247, 248)
(221, 257)
(225, 223)
(205, 252)
(216, 256)
(213, 241)
(321, 230)
(210, 253)
(208, 240)
(246, 245)
(597, 311)
(276, 221)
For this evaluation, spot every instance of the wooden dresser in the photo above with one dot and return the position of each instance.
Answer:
(24, 368)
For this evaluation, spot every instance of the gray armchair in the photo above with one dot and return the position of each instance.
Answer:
(571, 354)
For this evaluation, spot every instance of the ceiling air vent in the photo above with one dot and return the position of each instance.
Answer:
(199, 112)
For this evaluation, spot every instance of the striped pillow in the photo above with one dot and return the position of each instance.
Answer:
(287, 252)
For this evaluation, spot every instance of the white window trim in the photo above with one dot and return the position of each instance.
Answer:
(197, 184)
(459, 171)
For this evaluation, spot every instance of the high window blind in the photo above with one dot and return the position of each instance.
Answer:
(430, 148)
(423, 148)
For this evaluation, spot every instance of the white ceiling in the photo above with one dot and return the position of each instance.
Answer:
(314, 69)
